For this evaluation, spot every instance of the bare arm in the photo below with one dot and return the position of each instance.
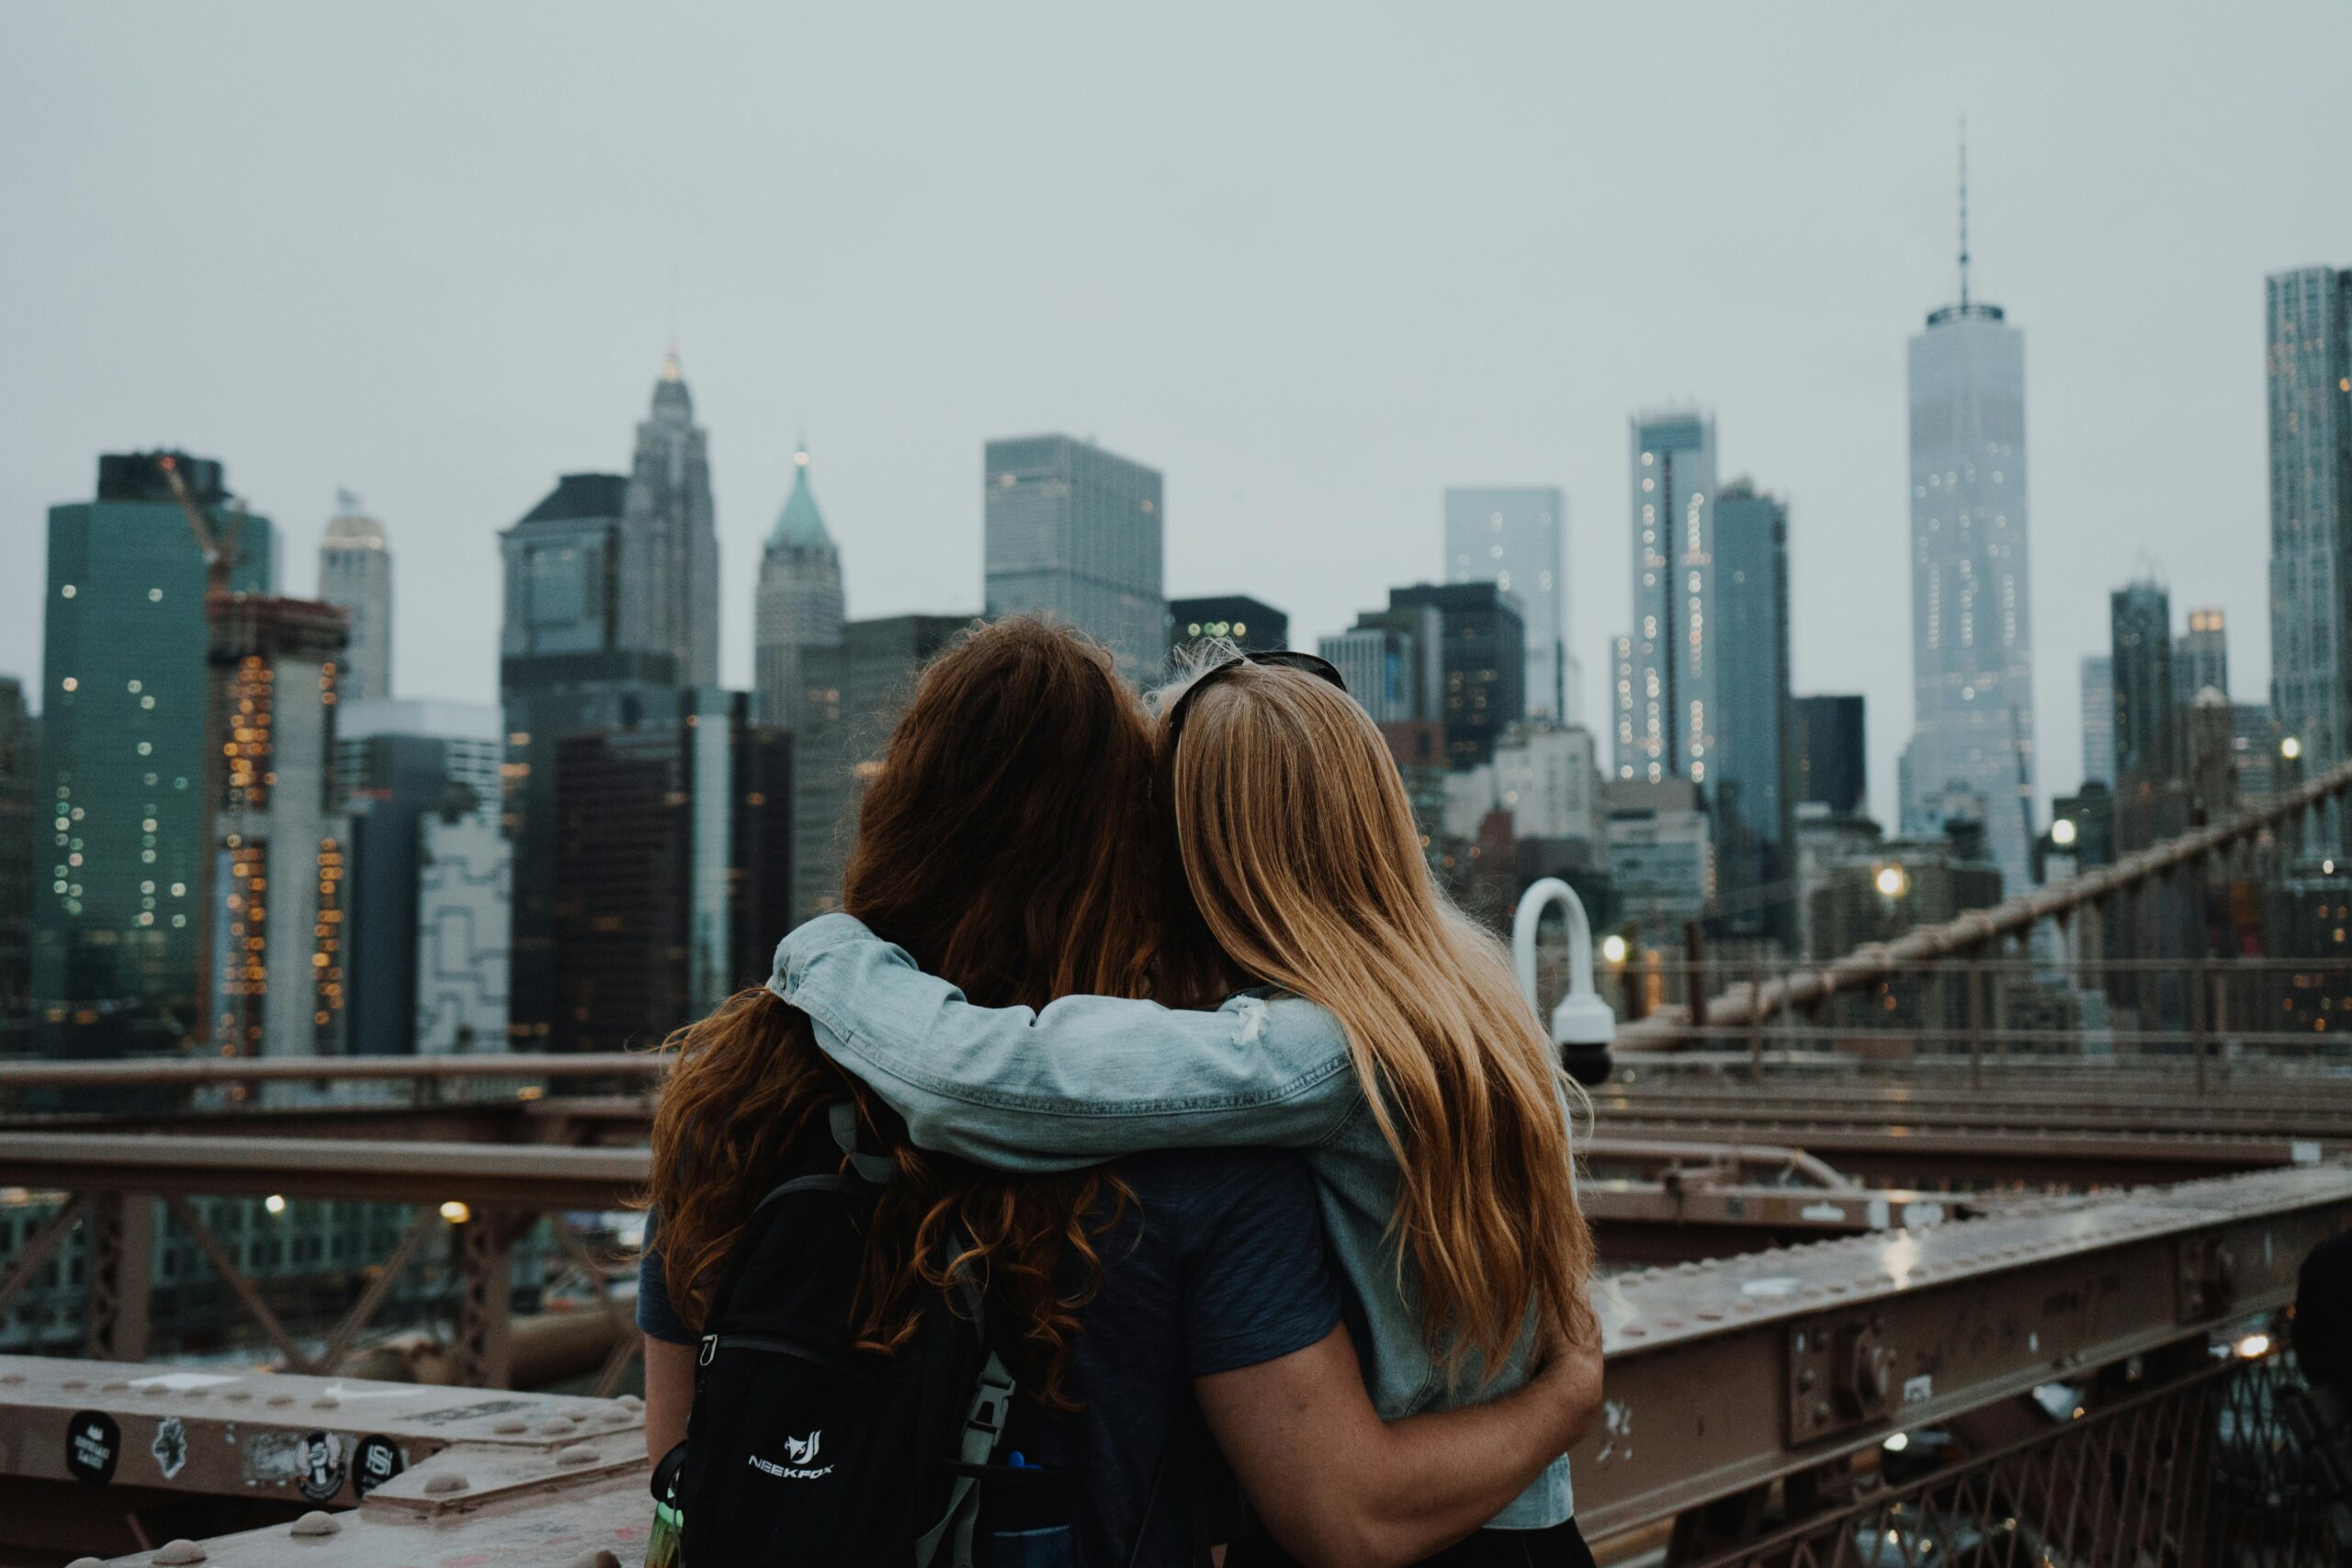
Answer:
(669, 1394)
(1335, 1486)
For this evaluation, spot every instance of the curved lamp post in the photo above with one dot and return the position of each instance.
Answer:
(1582, 1025)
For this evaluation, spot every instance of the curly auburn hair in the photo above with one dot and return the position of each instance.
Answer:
(1007, 843)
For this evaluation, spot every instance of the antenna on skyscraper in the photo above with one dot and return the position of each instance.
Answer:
(1964, 215)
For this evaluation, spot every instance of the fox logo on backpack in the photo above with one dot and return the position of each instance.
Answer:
(803, 1448)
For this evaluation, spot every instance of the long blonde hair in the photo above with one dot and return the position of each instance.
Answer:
(1304, 862)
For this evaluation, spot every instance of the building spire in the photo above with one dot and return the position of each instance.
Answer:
(1964, 215)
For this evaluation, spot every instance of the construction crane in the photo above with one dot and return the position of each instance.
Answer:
(217, 543)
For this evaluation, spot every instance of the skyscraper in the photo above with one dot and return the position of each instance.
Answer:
(19, 773)
(1394, 662)
(1377, 664)
(675, 831)
(1073, 531)
(1670, 694)
(1751, 779)
(2147, 718)
(355, 576)
(562, 669)
(799, 605)
(1515, 537)
(121, 958)
(279, 900)
(396, 762)
(873, 670)
(2200, 656)
(669, 538)
(797, 621)
(1972, 620)
(1482, 664)
(1833, 763)
(2098, 719)
(464, 917)
(2308, 340)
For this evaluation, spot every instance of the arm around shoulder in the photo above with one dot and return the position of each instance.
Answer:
(1087, 1078)
(1335, 1486)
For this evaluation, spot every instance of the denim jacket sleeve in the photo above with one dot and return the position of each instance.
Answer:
(1083, 1080)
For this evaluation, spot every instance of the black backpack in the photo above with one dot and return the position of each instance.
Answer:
(803, 1448)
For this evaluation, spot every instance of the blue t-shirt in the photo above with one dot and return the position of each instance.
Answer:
(1218, 1264)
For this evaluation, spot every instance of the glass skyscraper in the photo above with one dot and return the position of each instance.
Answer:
(1515, 537)
(1073, 531)
(1482, 668)
(1972, 612)
(1832, 763)
(1751, 782)
(2147, 717)
(2098, 719)
(676, 837)
(1665, 684)
(2308, 345)
(562, 667)
(125, 830)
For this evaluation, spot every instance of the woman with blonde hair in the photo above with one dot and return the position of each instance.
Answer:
(1383, 1038)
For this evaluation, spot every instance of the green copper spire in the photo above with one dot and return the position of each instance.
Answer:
(799, 524)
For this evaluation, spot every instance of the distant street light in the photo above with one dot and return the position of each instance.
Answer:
(1891, 882)
(2291, 748)
(2062, 832)
(1613, 948)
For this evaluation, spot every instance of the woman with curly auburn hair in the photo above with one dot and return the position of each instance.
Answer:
(1008, 841)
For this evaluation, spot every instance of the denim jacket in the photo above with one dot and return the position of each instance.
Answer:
(1089, 1079)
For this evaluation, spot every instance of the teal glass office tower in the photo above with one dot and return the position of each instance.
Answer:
(123, 826)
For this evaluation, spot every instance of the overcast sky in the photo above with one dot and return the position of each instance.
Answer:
(1314, 262)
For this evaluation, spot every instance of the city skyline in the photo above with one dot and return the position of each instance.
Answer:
(1324, 509)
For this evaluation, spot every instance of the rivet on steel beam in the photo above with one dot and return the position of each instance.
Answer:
(1635, 1331)
(326, 1402)
(510, 1428)
(317, 1522)
(280, 1399)
(115, 1385)
(446, 1482)
(181, 1551)
(554, 1429)
(630, 1401)
(577, 1455)
(239, 1395)
(71, 1383)
(87, 1562)
(12, 1377)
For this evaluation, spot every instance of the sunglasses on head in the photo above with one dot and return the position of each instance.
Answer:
(1321, 668)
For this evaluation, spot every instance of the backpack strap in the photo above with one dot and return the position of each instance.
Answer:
(879, 1169)
(984, 1423)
